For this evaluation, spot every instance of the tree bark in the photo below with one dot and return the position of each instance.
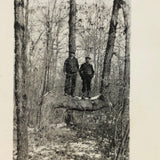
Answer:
(72, 30)
(126, 79)
(57, 52)
(123, 142)
(20, 80)
(72, 26)
(109, 49)
(121, 86)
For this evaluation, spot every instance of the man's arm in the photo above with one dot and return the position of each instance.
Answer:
(81, 71)
(77, 64)
(64, 67)
(92, 70)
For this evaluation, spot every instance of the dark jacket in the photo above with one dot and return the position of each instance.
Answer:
(86, 69)
(71, 65)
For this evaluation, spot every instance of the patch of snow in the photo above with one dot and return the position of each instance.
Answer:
(39, 149)
(85, 148)
(61, 125)
(95, 97)
(77, 97)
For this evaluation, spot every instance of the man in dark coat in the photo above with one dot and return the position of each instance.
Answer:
(71, 67)
(86, 73)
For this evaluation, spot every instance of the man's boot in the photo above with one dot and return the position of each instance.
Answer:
(83, 96)
(88, 94)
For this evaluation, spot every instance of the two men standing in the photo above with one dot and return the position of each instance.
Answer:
(71, 68)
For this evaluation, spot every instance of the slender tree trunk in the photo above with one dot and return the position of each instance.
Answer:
(96, 80)
(42, 97)
(47, 53)
(56, 54)
(47, 60)
(121, 88)
(20, 80)
(127, 56)
(72, 26)
(123, 142)
(126, 78)
(109, 48)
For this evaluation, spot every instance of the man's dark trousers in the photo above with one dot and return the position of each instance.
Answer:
(86, 85)
(70, 83)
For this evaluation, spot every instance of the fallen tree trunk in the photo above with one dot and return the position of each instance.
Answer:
(54, 107)
(70, 103)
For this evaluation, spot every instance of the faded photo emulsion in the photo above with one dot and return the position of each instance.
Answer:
(71, 80)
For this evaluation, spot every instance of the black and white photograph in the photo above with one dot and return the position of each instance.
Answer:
(72, 80)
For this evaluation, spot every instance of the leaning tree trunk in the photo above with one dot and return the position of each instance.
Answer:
(109, 50)
(126, 78)
(72, 26)
(20, 81)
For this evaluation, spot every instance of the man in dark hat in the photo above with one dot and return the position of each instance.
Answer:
(86, 73)
(71, 67)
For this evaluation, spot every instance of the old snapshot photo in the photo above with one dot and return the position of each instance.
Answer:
(71, 80)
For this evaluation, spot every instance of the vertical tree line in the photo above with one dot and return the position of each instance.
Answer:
(20, 92)
(72, 26)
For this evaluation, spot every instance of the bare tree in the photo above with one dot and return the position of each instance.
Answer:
(21, 21)
(126, 14)
(109, 49)
(72, 26)
(126, 86)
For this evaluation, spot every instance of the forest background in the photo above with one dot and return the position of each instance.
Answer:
(144, 109)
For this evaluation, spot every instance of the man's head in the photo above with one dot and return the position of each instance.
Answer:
(71, 54)
(87, 59)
